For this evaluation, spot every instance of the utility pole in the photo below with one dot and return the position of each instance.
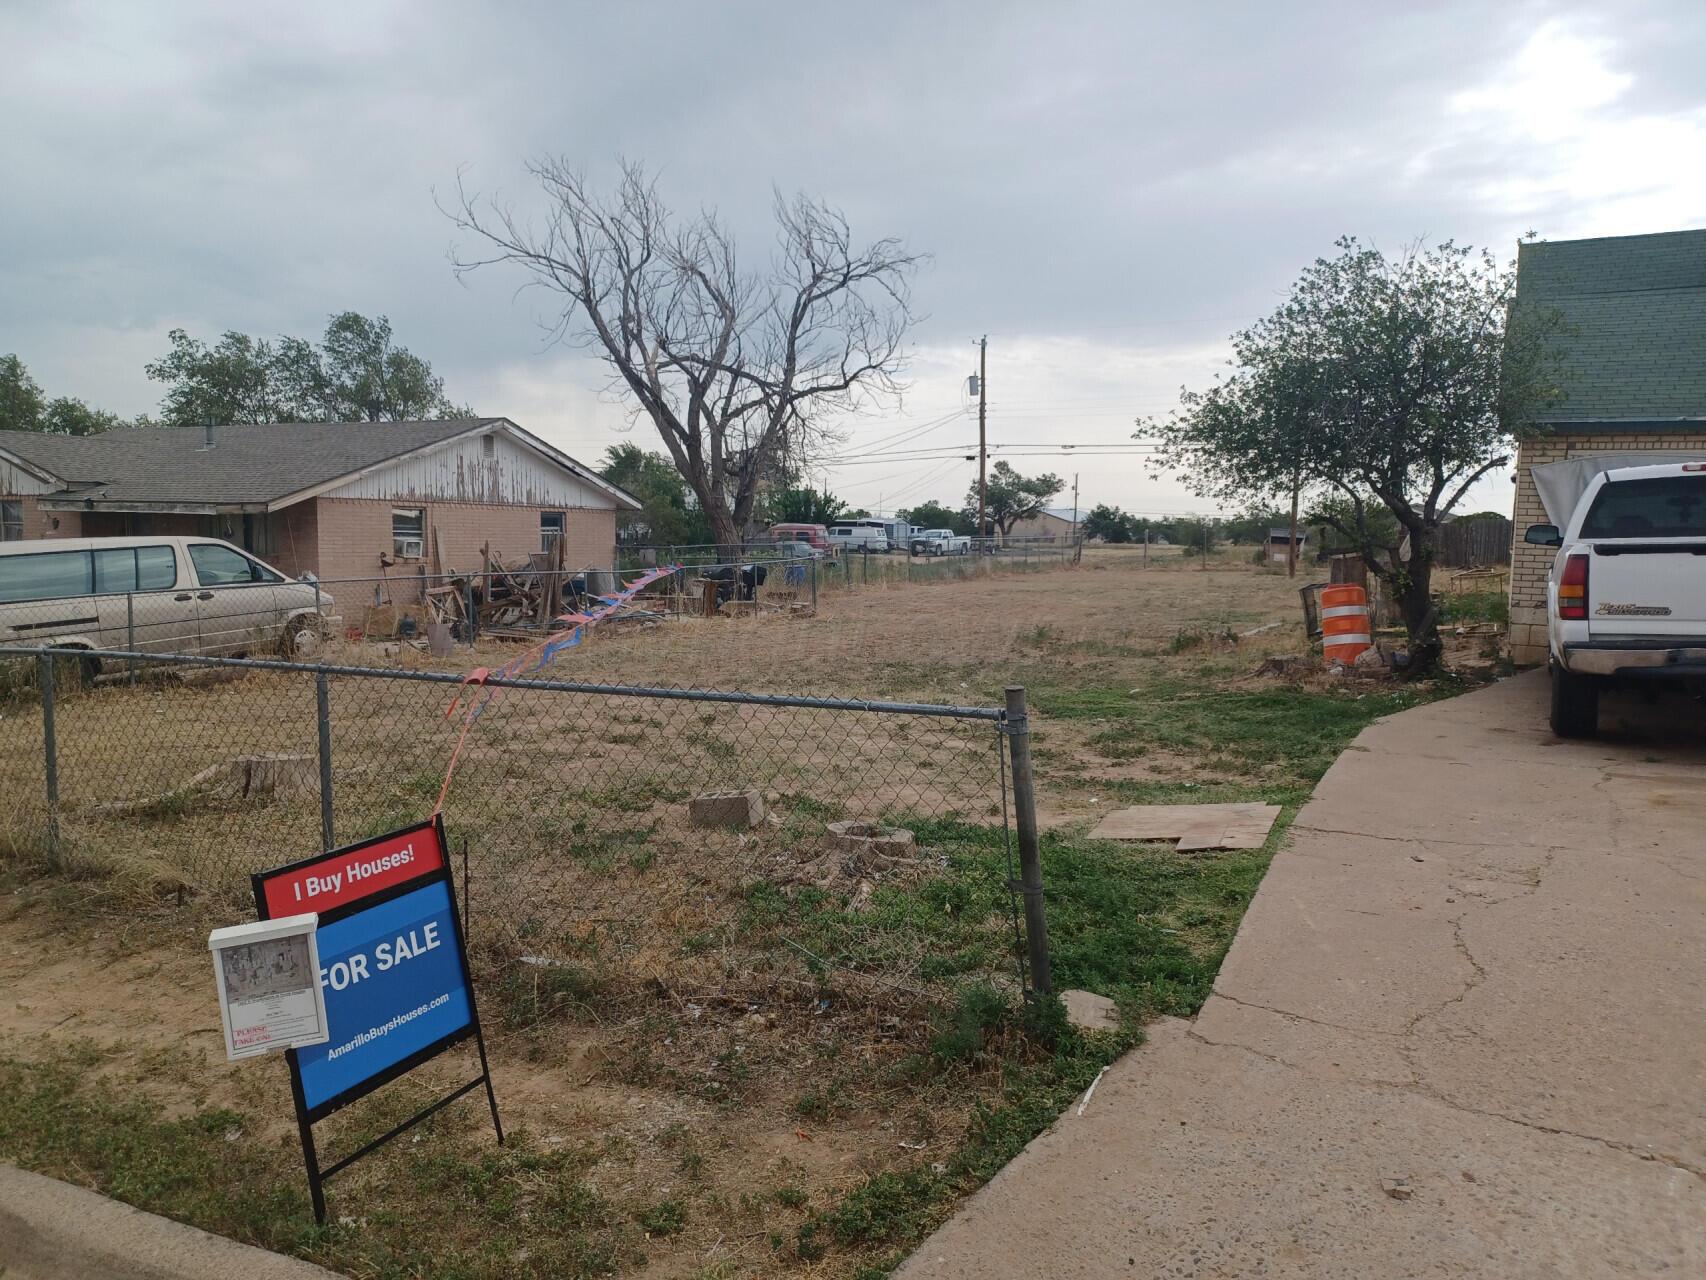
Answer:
(982, 436)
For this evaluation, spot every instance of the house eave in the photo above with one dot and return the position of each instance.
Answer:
(1564, 426)
(524, 437)
(76, 502)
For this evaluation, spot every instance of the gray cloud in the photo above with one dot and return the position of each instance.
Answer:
(1128, 177)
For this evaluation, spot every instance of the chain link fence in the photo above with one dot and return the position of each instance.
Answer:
(142, 600)
(618, 847)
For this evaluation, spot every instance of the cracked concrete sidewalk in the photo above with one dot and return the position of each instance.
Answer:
(1479, 965)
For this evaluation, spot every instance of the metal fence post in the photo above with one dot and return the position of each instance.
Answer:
(472, 629)
(50, 755)
(814, 582)
(130, 631)
(323, 713)
(1030, 854)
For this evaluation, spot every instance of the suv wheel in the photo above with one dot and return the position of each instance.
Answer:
(1575, 704)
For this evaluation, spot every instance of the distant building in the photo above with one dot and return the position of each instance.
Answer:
(1279, 542)
(1634, 339)
(1052, 524)
(337, 499)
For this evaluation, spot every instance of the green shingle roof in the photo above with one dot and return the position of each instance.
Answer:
(1634, 312)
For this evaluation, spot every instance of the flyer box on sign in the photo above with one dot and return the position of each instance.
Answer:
(268, 977)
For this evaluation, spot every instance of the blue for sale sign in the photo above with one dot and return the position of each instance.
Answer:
(392, 975)
(393, 970)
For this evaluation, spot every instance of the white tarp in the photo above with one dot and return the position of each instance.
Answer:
(1561, 484)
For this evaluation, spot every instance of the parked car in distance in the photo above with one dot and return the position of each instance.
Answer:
(940, 542)
(797, 551)
(1626, 596)
(858, 537)
(155, 595)
(814, 535)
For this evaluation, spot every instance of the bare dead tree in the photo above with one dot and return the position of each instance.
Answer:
(737, 370)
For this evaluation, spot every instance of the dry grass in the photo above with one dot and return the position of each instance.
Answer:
(728, 1046)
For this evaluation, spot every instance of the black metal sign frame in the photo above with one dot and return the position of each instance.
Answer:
(306, 1116)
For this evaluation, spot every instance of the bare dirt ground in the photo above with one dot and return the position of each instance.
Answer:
(749, 1101)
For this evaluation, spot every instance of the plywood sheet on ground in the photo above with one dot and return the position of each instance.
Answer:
(1194, 826)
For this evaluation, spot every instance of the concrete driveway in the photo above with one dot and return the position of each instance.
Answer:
(1475, 976)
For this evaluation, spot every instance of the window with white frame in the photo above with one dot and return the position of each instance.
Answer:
(550, 529)
(11, 522)
(408, 533)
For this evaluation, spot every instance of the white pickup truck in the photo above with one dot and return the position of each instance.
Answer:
(1626, 599)
(939, 542)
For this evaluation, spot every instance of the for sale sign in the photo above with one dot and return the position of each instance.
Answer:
(395, 993)
(391, 962)
(350, 875)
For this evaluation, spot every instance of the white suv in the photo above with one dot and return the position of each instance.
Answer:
(1626, 599)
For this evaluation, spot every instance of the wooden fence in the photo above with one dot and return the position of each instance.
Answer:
(1475, 544)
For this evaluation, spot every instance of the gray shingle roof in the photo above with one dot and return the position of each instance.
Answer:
(247, 464)
(1634, 313)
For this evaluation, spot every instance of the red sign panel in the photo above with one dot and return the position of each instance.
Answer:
(349, 875)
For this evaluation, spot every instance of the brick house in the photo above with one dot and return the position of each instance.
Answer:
(314, 497)
(1634, 356)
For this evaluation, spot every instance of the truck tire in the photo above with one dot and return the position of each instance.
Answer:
(1575, 704)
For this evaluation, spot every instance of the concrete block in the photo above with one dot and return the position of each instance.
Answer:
(737, 809)
(1090, 1012)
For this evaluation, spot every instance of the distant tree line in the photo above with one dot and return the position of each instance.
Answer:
(355, 373)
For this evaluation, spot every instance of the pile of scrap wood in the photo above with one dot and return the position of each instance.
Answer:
(522, 599)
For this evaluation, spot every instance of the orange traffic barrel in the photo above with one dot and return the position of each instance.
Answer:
(1344, 622)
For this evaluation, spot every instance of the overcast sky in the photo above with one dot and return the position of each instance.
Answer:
(1107, 190)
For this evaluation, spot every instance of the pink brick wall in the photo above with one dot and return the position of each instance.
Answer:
(1530, 564)
(351, 533)
(39, 523)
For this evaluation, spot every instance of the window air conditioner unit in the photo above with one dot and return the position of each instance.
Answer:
(411, 548)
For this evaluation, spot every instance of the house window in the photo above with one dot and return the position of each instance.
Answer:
(489, 446)
(11, 522)
(408, 533)
(550, 529)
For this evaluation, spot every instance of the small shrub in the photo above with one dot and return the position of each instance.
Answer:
(960, 1037)
(665, 1218)
(1184, 641)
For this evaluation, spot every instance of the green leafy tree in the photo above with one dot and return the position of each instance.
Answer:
(1110, 524)
(21, 400)
(1385, 384)
(370, 379)
(65, 416)
(1253, 524)
(23, 407)
(1011, 497)
(1193, 535)
(805, 506)
(937, 515)
(666, 517)
(355, 374)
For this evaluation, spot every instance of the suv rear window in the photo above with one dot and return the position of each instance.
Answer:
(48, 575)
(1663, 507)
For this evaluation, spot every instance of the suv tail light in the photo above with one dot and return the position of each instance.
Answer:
(1573, 588)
